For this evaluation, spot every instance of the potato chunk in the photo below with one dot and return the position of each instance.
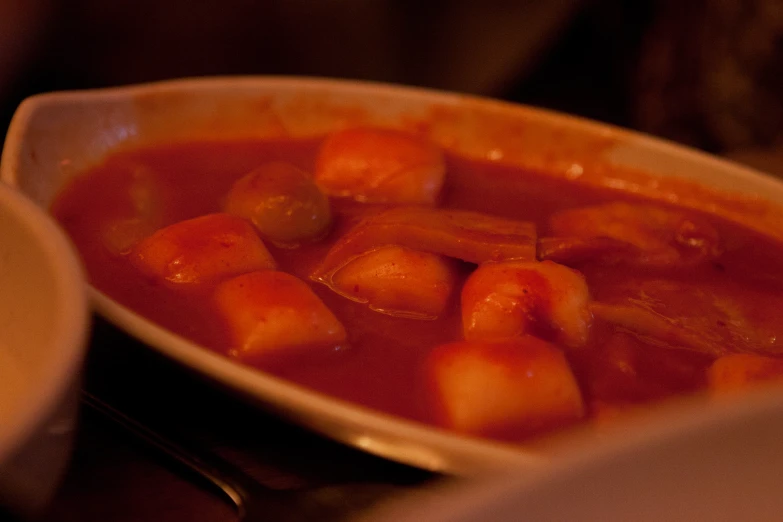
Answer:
(398, 281)
(380, 166)
(271, 311)
(283, 202)
(739, 371)
(142, 213)
(201, 250)
(493, 387)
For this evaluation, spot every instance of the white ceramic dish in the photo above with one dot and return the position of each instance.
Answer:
(680, 464)
(43, 328)
(55, 136)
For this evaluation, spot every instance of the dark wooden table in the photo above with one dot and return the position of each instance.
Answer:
(113, 476)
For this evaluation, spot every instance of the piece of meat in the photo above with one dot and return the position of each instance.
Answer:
(660, 237)
(579, 250)
(513, 298)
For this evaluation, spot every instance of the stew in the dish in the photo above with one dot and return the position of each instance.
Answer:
(375, 267)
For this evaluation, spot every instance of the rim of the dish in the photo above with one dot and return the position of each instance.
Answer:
(69, 328)
(219, 82)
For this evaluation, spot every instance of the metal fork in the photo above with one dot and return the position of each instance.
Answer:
(252, 501)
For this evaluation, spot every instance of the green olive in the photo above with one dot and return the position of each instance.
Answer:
(283, 202)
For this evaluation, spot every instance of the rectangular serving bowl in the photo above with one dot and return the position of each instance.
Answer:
(54, 137)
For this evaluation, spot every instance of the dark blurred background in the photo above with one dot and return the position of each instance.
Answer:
(708, 73)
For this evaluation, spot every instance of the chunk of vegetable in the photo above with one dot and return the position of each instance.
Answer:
(626, 369)
(381, 166)
(488, 387)
(282, 201)
(711, 318)
(270, 311)
(461, 234)
(578, 250)
(739, 371)
(645, 322)
(513, 298)
(200, 250)
(661, 237)
(144, 213)
(398, 281)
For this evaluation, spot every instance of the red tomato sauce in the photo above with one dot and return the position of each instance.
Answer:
(382, 365)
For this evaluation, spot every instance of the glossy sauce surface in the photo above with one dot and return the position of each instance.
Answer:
(381, 366)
